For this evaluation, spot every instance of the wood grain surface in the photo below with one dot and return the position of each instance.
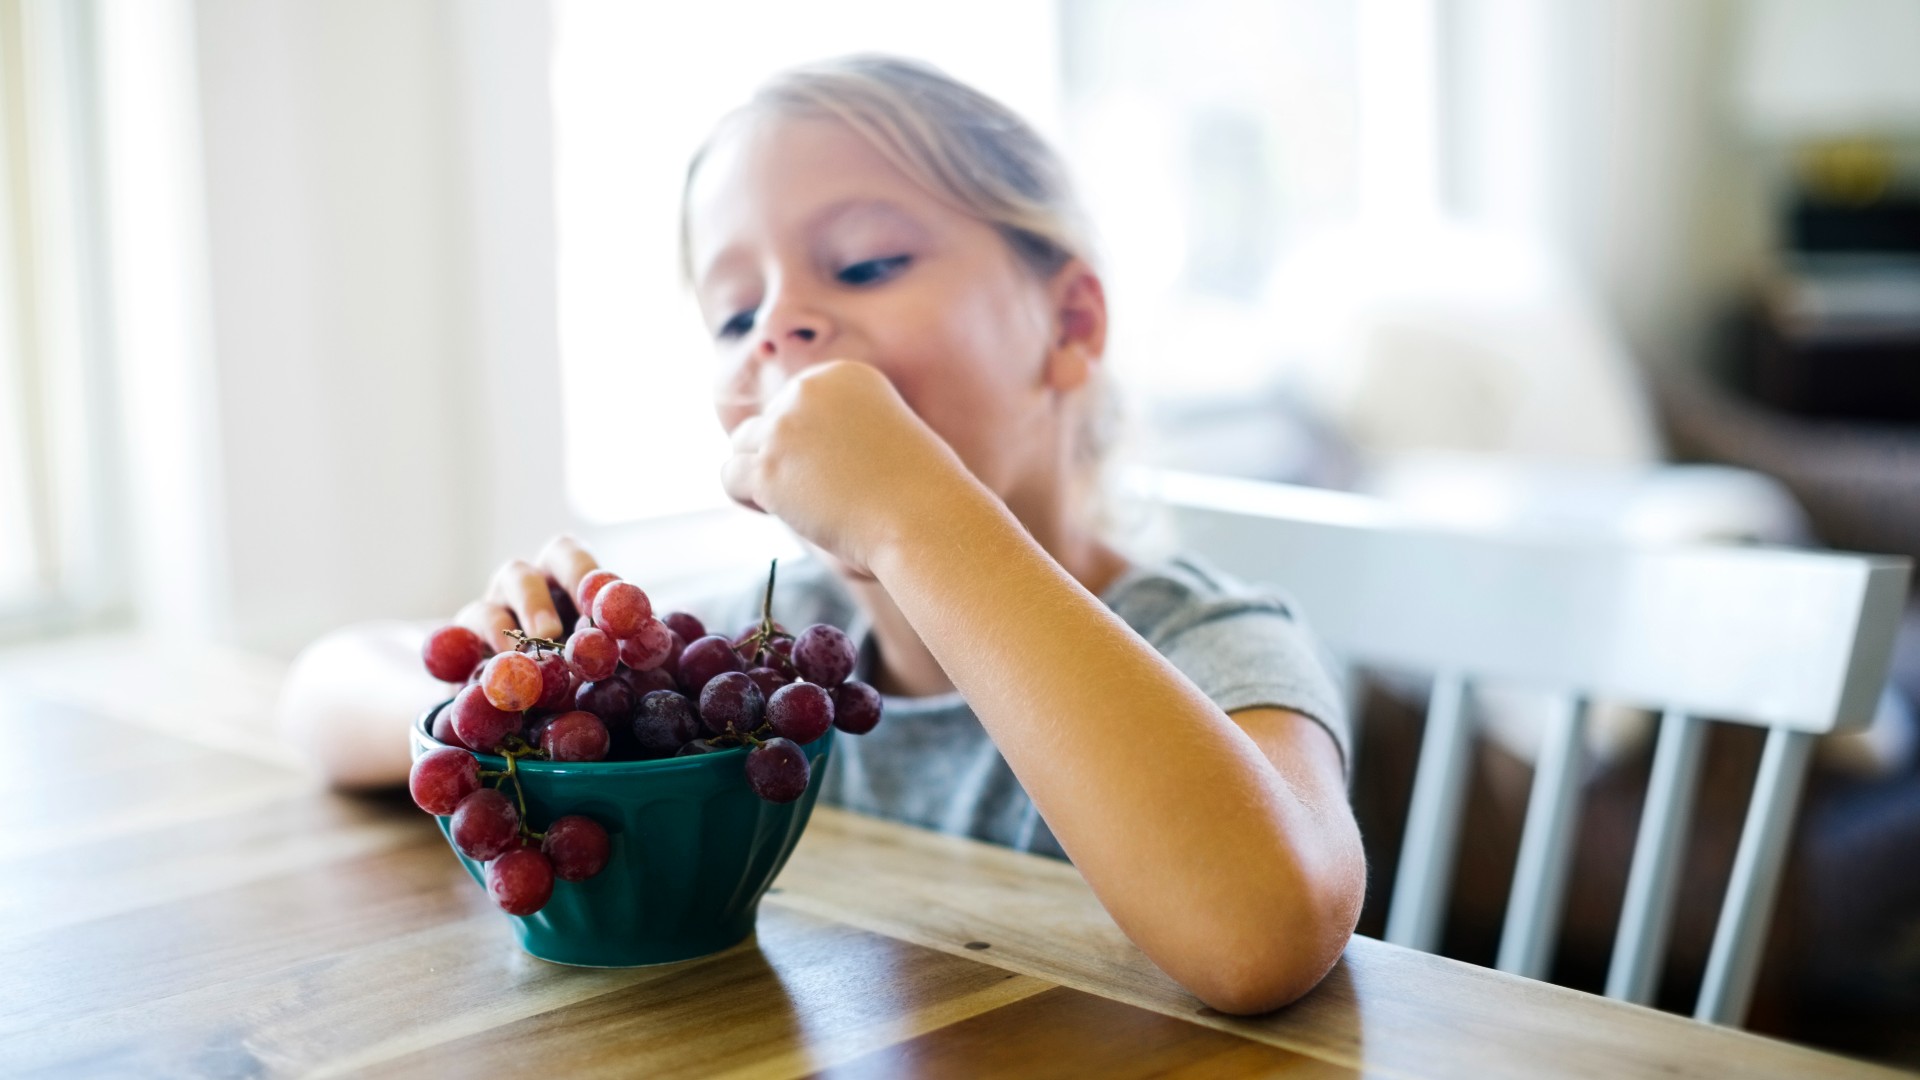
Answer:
(178, 906)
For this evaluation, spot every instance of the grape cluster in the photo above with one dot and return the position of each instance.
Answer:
(624, 686)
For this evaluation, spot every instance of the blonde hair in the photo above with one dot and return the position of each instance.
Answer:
(963, 148)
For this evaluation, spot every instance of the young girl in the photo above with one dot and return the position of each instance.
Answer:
(910, 331)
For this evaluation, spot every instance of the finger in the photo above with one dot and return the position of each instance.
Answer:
(750, 436)
(567, 561)
(491, 621)
(522, 586)
(736, 476)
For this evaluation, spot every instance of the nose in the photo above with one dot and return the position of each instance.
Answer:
(794, 333)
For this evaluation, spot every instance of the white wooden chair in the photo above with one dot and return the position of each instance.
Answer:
(1796, 642)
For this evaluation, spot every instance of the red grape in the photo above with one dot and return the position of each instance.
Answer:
(452, 652)
(731, 703)
(441, 778)
(609, 699)
(485, 824)
(688, 627)
(649, 646)
(823, 654)
(577, 846)
(665, 723)
(856, 707)
(801, 711)
(513, 682)
(589, 587)
(777, 770)
(621, 609)
(768, 680)
(478, 723)
(520, 881)
(593, 654)
(646, 682)
(443, 729)
(703, 659)
(556, 681)
(575, 736)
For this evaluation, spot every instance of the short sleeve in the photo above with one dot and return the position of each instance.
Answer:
(1243, 646)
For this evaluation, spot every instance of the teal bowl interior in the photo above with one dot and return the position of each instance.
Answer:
(694, 849)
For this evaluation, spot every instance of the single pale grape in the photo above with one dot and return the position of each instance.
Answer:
(801, 711)
(520, 881)
(451, 653)
(478, 723)
(823, 654)
(649, 646)
(513, 682)
(777, 770)
(856, 707)
(621, 609)
(577, 846)
(768, 680)
(443, 730)
(556, 681)
(609, 699)
(703, 659)
(589, 588)
(441, 778)
(485, 825)
(575, 736)
(731, 704)
(688, 627)
(666, 722)
(593, 653)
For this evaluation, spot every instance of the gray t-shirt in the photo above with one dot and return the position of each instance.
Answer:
(930, 762)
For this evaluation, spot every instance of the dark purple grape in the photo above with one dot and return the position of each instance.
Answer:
(609, 699)
(731, 704)
(699, 746)
(676, 646)
(478, 723)
(768, 680)
(823, 654)
(801, 711)
(451, 653)
(577, 846)
(485, 825)
(563, 604)
(441, 778)
(520, 881)
(777, 770)
(646, 682)
(593, 653)
(665, 723)
(575, 736)
(703, 659)
(856, 707)
(688, 627)
(537, 726)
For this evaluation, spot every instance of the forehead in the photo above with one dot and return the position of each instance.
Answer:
(772, 175)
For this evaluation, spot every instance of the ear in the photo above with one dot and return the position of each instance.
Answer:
(1079, 304)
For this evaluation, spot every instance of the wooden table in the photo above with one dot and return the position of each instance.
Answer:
(172, 907)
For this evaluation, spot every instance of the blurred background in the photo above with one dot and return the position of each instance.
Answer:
(314, 312)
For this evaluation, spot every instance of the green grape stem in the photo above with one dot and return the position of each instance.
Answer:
(522, 641)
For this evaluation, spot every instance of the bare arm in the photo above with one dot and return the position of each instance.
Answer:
(1223, 846)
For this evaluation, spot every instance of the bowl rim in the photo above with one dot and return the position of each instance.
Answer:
(423, 731)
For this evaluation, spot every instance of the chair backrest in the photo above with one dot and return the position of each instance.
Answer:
(1797, 642)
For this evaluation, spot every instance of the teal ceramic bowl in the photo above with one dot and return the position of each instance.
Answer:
(694, 849)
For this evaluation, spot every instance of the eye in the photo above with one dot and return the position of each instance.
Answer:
(866, 273)
(736, 326)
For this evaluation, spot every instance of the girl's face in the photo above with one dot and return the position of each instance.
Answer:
(807, 245)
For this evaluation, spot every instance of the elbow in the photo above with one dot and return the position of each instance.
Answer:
(1274, 957)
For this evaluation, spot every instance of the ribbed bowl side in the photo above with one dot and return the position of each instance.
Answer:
(694, 849)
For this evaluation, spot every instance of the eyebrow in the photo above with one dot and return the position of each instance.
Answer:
(825, 216)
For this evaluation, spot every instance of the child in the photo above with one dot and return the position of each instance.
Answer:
(910, 332)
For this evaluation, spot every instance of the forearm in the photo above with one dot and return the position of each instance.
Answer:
(1193, 841)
